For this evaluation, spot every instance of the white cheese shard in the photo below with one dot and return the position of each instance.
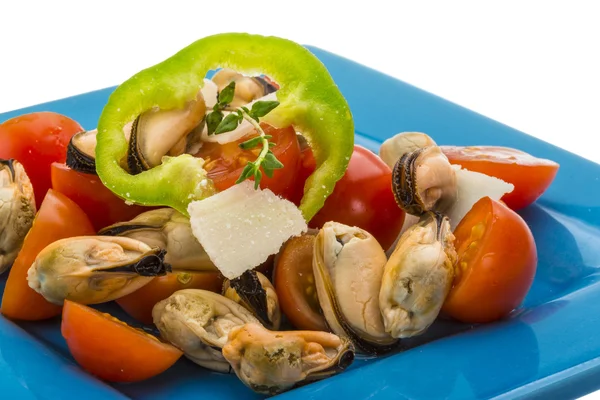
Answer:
(241, 227)
(471, 187)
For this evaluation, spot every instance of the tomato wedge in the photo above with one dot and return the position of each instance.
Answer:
(112, 350)
(497, 260)
(225, 163)
(295, 284)
(139, 304)
(36, 140)
(530, 175)
(58, 218)
(95, 199)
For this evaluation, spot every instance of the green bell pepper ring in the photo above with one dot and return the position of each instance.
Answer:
(309, 100)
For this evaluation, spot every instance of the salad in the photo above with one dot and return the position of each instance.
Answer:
(222, 203)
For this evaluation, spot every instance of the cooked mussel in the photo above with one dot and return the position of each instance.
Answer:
(273, 362)
(255, 292)
(424, 180)
(17, 210)
(348, 266)
(405, 142)
(247, 88)
(94, 269)
(198, 322)
(418, 276)
(156, 133)
(81, 152)
(167, 229)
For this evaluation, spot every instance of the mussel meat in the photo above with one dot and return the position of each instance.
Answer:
(198, 322)
(254, 291)
(247, 88)
(424, 180)
(418, 276)
(273, 362)
(17, 210)
(94, 269)
(405, 142)
(348, 266)
(156, 133)
(167, 229)
(81, 152)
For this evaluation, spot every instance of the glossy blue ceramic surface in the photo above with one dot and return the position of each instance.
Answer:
(548, 348)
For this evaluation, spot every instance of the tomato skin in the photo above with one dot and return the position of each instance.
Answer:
(96, 200)
(229, 168)
(295, 286)
(531, 176)
(493, 276)
(364, 198)
(37, 140)
(139, 304)
(58, 218)
(306, 166)
(112, 350)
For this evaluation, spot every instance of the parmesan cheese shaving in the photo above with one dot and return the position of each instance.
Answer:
(241, 227)
(471, 187)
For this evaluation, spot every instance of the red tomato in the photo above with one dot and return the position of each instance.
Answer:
(103, 206)
(496, 264)
(58, 218)
(112, 350)
(139, 304)
(306, 167)
(37, 140)
(295, 284)
(225, 163)
(364, 198)
(530, 175)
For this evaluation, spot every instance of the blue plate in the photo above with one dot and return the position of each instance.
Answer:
(550, 346)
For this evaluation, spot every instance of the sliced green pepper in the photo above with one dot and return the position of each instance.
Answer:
(310, 101)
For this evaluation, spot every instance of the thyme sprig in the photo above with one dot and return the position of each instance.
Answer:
(217, 123)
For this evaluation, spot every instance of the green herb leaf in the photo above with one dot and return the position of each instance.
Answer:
(262, 108)
(271, 162)
(226, 95)
(268, 171)
(247, 172)
(228, 124)
(257, 178)
(213, 120)
(252, 143)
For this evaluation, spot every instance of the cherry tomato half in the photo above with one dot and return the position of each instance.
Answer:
(225, 163)
(364, 198)
(295, 284)
(139, 304)
(530, 175)
(37, 140)
(497, 260)
(112, 350)
(58, 218)
(102, 206)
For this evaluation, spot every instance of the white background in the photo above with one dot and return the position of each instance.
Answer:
(532, 65)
